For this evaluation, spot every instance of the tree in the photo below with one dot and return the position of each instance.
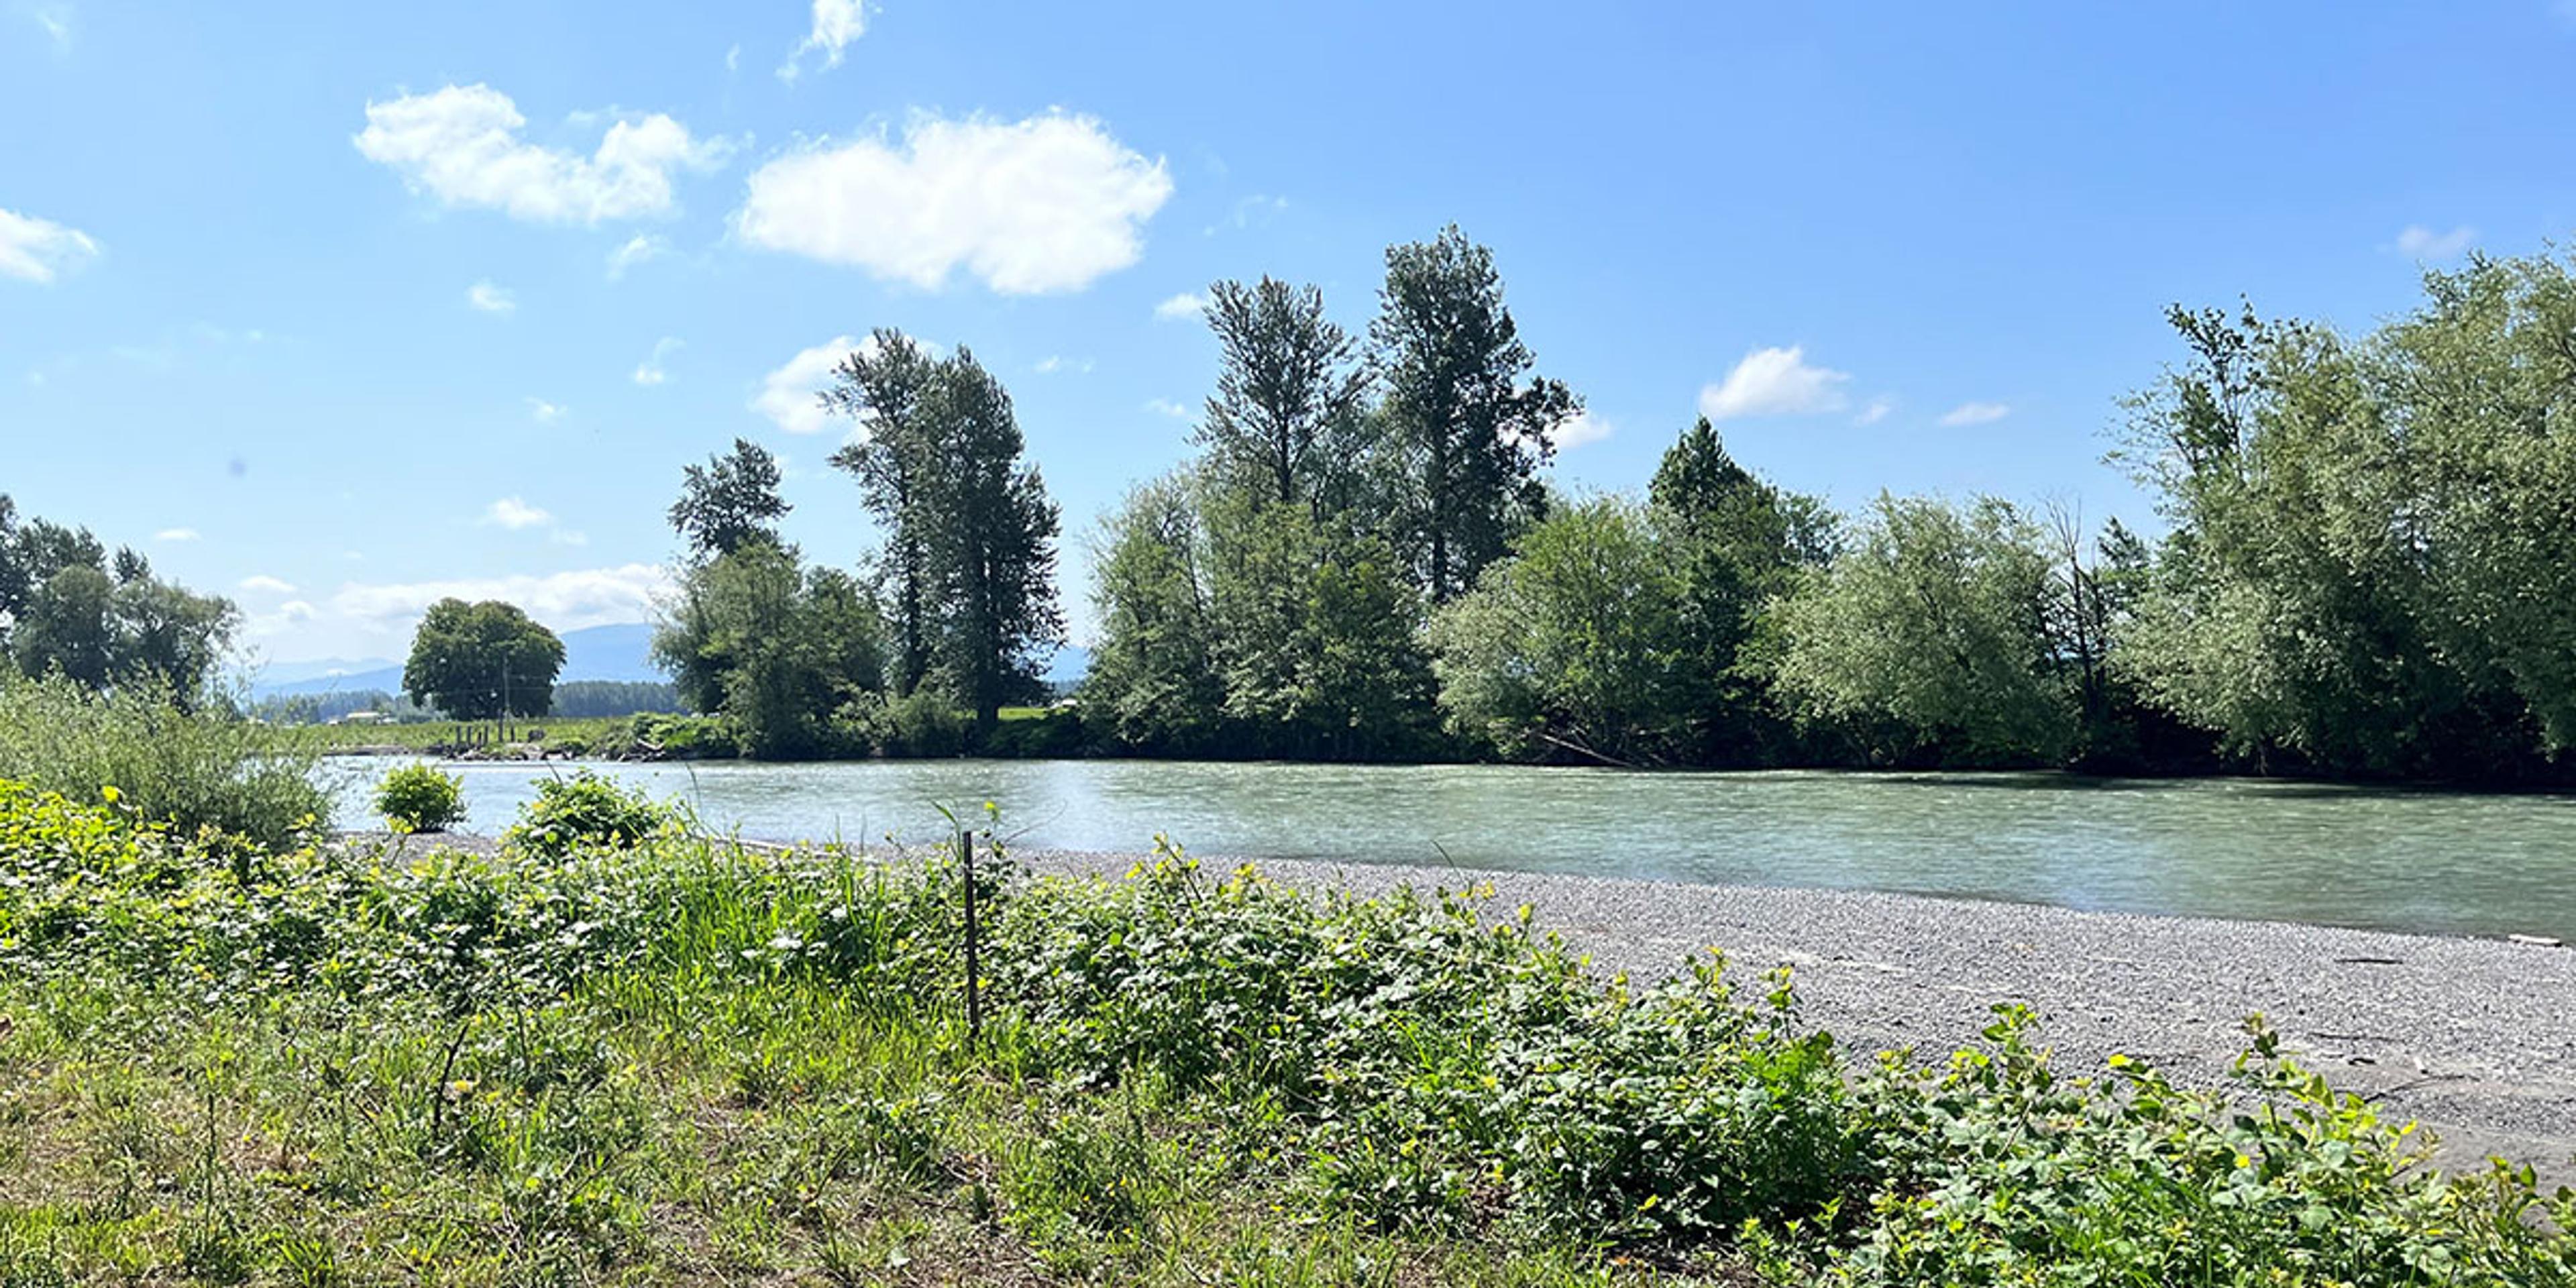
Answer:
(780, 648)
(988, 539)
(1575, 645)
(1736, 544)
(1929, 639)
(482, 661)
(1286, 418)
(1470, 431)
(1153, 683)
(67, 607)
(882, 387)
(1317, 633)
(729, 501)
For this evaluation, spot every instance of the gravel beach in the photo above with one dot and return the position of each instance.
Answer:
(2474, 1038)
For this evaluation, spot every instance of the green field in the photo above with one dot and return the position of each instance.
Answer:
(591, 729)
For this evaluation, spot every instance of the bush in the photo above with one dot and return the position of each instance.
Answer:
(919, 724)
(665, 737)
(418, 798)
(192, 770)
(587, 811)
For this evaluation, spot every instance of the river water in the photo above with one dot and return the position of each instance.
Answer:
(2399, 860)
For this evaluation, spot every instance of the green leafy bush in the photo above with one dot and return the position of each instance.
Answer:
(419, 798)
(669, 737)
(920, 724)
(191, 769)
(588, 811)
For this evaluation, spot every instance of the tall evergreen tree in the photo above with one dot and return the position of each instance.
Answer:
(882, 386)
(1472, 430)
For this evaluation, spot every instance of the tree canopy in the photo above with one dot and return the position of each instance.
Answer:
(482, 661)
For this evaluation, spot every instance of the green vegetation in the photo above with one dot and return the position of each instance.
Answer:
(67, 608)
(486, 661)
(688, 1062)
(588, 812)
(418, 798)
(2354, 582)
(190, 768)
(443, 735)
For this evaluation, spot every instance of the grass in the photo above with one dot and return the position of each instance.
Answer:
(687, 1063)
(422, 737)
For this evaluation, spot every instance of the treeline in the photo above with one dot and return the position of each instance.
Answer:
(68, 607)
(2367, 569)
(571, 699)
(919, 656)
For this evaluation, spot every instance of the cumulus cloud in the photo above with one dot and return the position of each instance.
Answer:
(178, 534)
(1975, 413)
(790, 396)
(543, 412)
(462, 145)
(1166, 407)
(1183, 305)
(564, 600)
(515, 513)
(635, 250)
(491, 298)
(263, 584)
(1053, 363)
(40, 250)
(2420, 242)
(1774, 382)
(1876, 411)
(1582, 429)
(836, 24)
(1050, 203)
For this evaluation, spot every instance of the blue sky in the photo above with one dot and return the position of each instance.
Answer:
(338, 308)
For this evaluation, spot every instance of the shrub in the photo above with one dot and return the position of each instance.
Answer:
(191, 769)
(418, 798)
(684, 737)
(587, 811)
(919, 724)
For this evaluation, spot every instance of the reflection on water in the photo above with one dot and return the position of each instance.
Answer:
(2426, 861)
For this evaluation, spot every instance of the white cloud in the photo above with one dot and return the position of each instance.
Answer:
(177, 534)
(1774, 382)
(636, 250)
(462, 145)
(1053, 363)
(836, 24)
(513, 513)
(1166, 407)
(1876, 411)
(490, 298)
(1183, 305)
(733, 58)
(651, 372)
(1048, 204)
(263, 584)
(564, 600)
(2420, 242)
(1976, 413)
(789, 396)
(1583, 428)
(39, 250)
(543, 412)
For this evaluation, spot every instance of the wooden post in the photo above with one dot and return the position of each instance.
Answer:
(974, 983)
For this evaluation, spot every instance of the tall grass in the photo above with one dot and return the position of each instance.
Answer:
(193, 769)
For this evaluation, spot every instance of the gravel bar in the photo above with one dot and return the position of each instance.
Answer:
(2474, 1038)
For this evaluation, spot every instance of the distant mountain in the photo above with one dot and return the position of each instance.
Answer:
(1067, 667)
(618, 652)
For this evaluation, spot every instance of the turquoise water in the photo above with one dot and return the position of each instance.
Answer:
(2421, 861)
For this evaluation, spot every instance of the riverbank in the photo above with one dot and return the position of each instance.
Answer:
(2476, 1038)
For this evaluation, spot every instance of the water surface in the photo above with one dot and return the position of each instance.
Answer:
(2401, 860)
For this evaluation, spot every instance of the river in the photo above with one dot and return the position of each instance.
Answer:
(2439, 862)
